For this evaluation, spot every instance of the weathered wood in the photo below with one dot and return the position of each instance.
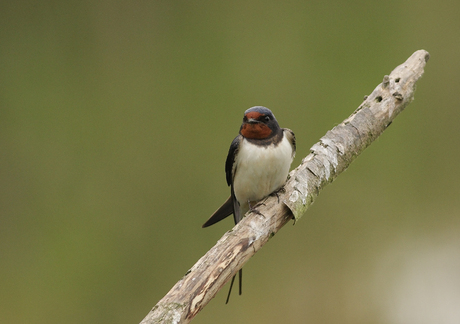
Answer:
(328, 158)
(341, 145)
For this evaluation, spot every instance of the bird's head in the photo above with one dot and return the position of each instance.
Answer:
(259, 123)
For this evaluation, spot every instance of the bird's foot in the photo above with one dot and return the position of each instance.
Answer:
(255, 211)
(275, 193)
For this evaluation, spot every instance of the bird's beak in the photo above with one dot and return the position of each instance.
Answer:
(252, 121)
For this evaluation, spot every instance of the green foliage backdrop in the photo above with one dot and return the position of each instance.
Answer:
(115, 121)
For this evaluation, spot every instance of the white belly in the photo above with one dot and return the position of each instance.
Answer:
(260, 170)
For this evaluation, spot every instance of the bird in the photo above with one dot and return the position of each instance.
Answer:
(257, 165)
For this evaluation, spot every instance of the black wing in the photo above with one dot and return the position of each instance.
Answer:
(230, 170)
(225, 210)
(230, 205)
(230, 167)
(291, 138)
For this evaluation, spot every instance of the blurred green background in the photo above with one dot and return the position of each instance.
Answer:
(115, 122)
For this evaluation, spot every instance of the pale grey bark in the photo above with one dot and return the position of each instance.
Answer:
(328, 158)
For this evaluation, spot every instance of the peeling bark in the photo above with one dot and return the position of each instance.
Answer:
(328, 158)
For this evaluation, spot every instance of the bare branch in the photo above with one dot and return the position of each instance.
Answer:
(328, 158)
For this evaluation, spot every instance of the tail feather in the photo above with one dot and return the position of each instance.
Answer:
(229, 207)
(231, 285)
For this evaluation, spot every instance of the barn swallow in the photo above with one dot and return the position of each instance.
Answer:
(257, 165)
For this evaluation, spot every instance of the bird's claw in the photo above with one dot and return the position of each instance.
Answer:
(275, 193)
(255, 211)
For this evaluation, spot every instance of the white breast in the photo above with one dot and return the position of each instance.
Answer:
(260, 170)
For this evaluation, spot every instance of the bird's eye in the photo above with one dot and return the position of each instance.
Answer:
(267, 118)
